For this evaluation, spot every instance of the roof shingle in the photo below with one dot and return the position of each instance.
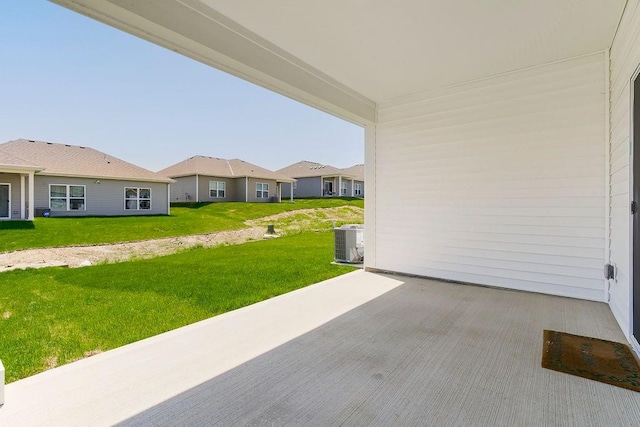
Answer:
(357, 171)
(10, 160)
(306, 169)
(213, 166)
(72, 160)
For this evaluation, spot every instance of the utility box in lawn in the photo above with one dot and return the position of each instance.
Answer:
(349, 243)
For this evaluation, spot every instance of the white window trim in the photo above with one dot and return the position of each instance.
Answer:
(262, 191)
(343, 188)
(217, 189)
(357, 190)
(68, 197)
(137, 199)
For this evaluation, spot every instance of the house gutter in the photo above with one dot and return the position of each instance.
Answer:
(43, 172)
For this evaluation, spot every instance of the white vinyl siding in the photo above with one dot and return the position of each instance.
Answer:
(65, 197)
(625, 58)
(497, 182)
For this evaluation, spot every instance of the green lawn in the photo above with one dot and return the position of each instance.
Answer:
(52, 316)
(197, 219)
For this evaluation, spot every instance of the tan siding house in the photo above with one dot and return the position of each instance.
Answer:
(211, 179)
(69, 180)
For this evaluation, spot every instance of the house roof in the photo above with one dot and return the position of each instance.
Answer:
(11, 161)
(76, 161)
(307, 169)
(357, 171)
(213, 166)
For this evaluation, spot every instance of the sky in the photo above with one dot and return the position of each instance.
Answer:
(69, 79)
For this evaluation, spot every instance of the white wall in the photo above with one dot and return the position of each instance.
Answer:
(625, 58)
(498, 182)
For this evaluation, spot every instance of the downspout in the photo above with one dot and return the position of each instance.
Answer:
(197, 188)
(607, 171)
(246, 189)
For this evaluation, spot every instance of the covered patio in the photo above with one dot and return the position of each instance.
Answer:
(360, 349)
(16, 187)
(499, 152)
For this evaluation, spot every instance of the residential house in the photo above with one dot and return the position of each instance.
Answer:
(502, 139)
(317, 180)
(68, 180)
(357, 171)
(210, 179)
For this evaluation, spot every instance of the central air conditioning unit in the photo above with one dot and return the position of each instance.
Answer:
(349, 243)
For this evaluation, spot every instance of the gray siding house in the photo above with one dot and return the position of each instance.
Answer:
(68, 180)
(357, 171)
(318, 180)
(211, 179)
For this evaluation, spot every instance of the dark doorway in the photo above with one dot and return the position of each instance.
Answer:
(5, 197)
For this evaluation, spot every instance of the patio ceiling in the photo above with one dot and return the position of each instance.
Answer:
(386, 49)
(346, 56)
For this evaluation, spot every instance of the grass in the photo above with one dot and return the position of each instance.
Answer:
(53, 316)
(193, 219)
(316, 220)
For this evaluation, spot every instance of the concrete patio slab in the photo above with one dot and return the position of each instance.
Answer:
(360, 349)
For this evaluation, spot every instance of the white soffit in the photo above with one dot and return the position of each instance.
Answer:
(386, 49)
(343, 55)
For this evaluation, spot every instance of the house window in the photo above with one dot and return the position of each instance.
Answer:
(295, 185)
(63, 197)
(217, 189)
(343, 188)
(262, 190)
(137, 198)
(358, 189)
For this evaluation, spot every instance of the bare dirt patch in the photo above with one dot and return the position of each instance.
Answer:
(79, 256)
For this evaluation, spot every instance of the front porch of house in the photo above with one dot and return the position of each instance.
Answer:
(359, 349)
(16, 192)
(338, 186)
